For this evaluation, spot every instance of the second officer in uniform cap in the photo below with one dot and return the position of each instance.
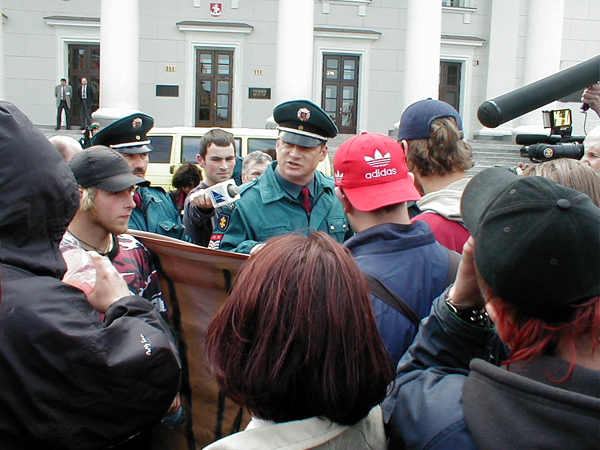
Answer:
(290, 195)
(154, 211)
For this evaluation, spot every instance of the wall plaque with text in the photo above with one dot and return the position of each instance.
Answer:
(163, 90)
(260, 93)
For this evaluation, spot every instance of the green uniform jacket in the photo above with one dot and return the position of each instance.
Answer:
(157, 215)
(265, 210)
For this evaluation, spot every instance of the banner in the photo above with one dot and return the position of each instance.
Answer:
(195, 282)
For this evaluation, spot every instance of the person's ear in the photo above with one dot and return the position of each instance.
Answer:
(404, 144)
(200, 160)
(323, 153)
(339, 193)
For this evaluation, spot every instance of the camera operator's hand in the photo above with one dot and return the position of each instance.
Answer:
(591, 96)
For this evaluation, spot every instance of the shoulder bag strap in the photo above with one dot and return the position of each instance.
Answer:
(454, 261)
(380, 290)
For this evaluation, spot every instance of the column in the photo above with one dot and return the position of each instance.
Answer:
(541, 58)
(502, 66)
(295, 48)
(422, 54)
(119, 60)
(2, 74)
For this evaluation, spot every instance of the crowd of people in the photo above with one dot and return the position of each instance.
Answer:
(399, 305)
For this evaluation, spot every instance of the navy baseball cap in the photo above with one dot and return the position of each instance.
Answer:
(126, 135)
(301, 122)
(416, 119)
(105, 169)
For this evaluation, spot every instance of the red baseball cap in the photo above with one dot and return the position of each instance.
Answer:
(371, 168)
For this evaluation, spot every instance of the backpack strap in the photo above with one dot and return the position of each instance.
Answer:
(376, 287)
(454, 261)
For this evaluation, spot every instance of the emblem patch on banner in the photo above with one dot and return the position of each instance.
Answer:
(223, 222)
(215, 241)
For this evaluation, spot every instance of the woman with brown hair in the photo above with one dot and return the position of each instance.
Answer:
(297, 345)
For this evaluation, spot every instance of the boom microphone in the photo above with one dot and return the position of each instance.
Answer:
(513, 104)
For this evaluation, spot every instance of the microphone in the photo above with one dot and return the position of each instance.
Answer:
(499, 110)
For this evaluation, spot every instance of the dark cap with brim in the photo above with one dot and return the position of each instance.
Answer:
(301, 122)
(537, 244)
(105, 169)
(415, 122)
(126, 135)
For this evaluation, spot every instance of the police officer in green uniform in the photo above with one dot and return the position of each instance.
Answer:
(290, 196)
(154, 211)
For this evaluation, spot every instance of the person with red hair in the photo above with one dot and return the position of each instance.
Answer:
(297, 345)
(530, 275)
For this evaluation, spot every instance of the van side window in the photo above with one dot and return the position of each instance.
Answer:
(189, 148)
(161, 149)
(255, 144)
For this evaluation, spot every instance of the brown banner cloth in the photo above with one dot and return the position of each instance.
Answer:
(195, 282)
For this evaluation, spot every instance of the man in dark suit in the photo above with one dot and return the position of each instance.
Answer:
(63, 93)
(86, 97)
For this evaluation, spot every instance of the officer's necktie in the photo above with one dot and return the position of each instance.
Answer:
(137, 200)
(305, 199)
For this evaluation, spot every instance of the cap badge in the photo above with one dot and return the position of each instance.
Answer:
(338, 177)
(136, 123)
(378, 160)
(303, 114)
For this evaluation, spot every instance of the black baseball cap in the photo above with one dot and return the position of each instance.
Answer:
(126, 135)
(537, 244)
(301, 122)
(105, 169)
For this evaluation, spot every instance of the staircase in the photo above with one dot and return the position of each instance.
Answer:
(486, 153)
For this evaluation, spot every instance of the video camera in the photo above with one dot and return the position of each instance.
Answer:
(560, 143)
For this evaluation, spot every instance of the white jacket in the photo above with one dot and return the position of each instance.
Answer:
(313, 433)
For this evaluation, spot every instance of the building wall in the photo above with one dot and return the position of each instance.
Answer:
(36, 53)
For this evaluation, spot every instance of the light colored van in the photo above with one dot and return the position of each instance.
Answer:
(175, 145)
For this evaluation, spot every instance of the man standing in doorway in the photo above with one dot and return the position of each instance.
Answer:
(86, 97)
(63, 93)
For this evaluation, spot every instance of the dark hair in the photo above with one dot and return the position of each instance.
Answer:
(271, 152)
(187, 175)
(444, 152)
(217, 136)
(297, 337)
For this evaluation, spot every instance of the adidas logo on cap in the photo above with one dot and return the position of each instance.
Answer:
(378, 160)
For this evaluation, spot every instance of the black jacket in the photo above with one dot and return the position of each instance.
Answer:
(69, 380)
(448, 395)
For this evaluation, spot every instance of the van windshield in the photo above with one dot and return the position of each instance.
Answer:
(191, 144)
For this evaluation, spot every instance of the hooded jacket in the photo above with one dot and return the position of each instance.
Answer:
(408, 260)
(448, 394)
(69, 379)
(441, 211)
